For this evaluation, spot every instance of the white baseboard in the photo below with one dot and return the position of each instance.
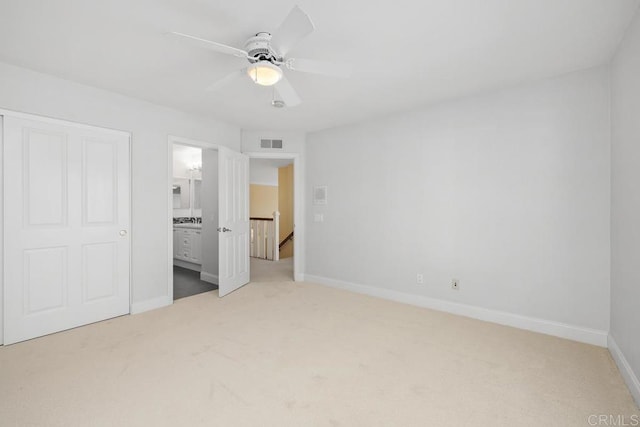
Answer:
(625, 369)
(548, 327)
(186, 264)
(208, 277)
(141, 307)
(298, 278)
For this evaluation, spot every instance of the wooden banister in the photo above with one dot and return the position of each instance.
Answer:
(286, 239)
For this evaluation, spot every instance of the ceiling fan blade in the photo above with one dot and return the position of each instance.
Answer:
(319, 67)
(296, 26)
(208, 44)
(226, 80)
(287, 92)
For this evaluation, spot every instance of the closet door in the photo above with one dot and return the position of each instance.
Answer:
(66, 226)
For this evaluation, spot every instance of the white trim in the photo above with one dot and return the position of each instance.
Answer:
(298, 204)
(194, 143)
(208, 277)
(264, 184)
(152, 304)
(274, 156)
(562, 330)
(186, 264)
(625, 369)
(1, 228)
(170, 219)
(54, 121)
(172, 139)
(131, 230)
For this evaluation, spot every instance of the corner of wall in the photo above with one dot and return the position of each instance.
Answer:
(628, 375)
(141, 307)
(625, 204)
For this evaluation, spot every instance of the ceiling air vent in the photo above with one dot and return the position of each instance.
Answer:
(271, 143)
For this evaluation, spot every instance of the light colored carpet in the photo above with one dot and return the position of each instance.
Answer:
(291, 354)
(263, 270)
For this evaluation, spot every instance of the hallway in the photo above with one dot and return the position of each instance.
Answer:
(263, 270)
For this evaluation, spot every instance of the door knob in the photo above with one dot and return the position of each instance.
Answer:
(123, 233)
(225, 229)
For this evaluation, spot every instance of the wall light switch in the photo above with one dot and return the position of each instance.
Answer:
(318, 217)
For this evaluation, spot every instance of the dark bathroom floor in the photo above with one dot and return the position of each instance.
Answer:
(187, 282)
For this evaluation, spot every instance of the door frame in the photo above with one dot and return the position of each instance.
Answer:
(2, 116)
(298, 213)
(181, 141)
(10, 113)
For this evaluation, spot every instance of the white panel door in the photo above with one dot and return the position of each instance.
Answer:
(233, 226)
(66, 222)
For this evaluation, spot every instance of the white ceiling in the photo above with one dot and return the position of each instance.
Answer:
(407, 53)
(265, 171)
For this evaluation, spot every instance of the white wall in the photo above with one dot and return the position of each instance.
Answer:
(210, 233)
(31, 92)
(625, 209)
(507, 192)
(292, 142)
(263, 172)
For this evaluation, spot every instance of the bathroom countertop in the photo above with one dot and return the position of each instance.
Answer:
(188, 225)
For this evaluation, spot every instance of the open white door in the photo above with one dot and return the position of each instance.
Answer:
(66, 222)
(233, 225)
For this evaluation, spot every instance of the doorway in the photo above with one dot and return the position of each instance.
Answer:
(208, 217)
(272, 219)
(187, 201)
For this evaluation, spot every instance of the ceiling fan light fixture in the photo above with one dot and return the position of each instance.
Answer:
(264, 73)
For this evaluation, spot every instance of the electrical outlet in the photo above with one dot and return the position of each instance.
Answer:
(455, 284)
(419, 279)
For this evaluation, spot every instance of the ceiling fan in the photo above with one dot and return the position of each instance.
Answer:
(267, 56)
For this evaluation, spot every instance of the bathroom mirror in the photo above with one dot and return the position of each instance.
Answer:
(196, 198)
(181, 190)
